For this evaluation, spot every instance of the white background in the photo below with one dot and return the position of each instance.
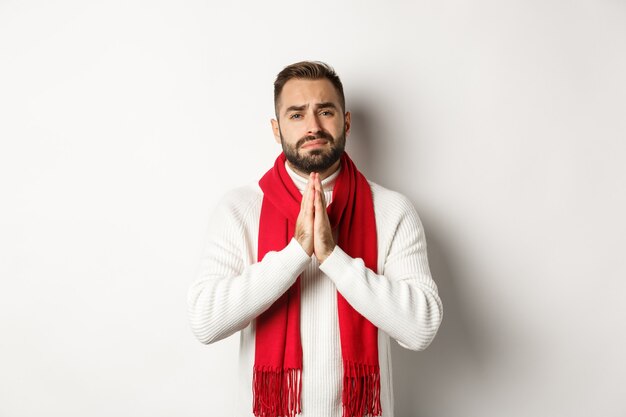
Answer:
(123, 122)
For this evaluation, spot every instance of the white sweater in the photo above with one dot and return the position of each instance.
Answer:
(232, 289)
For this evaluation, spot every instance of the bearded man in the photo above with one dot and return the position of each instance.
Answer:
(317, 267)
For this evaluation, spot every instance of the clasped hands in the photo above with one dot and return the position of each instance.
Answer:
(313, 230)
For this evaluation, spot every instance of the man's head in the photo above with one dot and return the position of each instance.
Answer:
(307, 70)
(311, 123)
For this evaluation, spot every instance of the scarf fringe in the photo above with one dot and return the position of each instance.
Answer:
(276, 392)
(361, 390)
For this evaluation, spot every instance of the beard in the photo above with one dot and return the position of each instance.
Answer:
(317, 160)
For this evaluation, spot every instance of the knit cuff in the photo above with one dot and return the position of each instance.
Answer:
(337, 266)
(294, 257)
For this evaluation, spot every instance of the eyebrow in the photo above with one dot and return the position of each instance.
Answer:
(294, 108)
(325, 104)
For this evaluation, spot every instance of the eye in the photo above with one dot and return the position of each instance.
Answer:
(326, 113)
(295, 116)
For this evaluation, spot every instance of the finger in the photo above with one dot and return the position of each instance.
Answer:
(322, 195)
(306, 192)
(321, 221)
(317, 199)
(318, 186)
(320, 210)
(310, 200)
(318, 214)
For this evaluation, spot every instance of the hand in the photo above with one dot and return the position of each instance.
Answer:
(305, 220)
(323, 242)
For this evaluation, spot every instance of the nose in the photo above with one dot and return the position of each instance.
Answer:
(313, 126)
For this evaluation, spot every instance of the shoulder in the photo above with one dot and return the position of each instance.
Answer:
(240, 202)
(397, 222)
(390, 203)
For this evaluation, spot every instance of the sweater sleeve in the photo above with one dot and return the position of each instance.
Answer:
(403, 301)
(228, 294)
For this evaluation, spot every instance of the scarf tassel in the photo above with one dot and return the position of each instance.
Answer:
(276, 392)
(361, 390)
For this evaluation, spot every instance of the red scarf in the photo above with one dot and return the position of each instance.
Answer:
(277, 382)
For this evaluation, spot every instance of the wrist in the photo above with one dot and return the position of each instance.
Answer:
(326, 254)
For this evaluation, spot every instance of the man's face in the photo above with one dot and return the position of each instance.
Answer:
(311, 126)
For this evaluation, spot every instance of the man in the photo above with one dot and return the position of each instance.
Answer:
(317, 267)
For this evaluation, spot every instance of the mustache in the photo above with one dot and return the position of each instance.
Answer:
(319, 135)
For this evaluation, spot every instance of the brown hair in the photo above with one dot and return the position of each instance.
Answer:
(308, 70)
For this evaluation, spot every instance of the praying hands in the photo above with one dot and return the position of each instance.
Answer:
(313, 230)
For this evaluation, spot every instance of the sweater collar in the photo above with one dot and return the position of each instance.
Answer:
(327, 183)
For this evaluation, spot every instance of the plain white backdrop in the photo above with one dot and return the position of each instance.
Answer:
(122, 123)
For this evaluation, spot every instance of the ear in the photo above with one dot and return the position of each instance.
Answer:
(347, 121)
(275, 130)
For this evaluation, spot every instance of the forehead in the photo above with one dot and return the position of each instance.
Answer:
(297, 92)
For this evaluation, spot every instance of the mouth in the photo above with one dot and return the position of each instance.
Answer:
(316, 143)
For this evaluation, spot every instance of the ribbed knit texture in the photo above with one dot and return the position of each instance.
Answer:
(232, 289)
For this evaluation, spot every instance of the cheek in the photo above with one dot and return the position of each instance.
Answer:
(291, 135)
(337, 127)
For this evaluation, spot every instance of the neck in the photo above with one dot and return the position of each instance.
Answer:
(323, 174)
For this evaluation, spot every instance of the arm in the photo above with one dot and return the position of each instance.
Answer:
(227, 294)
(403, 301)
